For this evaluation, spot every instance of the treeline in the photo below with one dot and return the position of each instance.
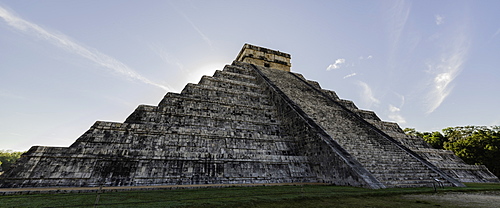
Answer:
(8, 158)
(479, 145)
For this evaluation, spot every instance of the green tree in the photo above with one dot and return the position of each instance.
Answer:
(8, 158)
(435, 139)
(474, 144)
(412, 132)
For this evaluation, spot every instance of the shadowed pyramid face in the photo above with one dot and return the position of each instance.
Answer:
(264, 57)
(251, 123)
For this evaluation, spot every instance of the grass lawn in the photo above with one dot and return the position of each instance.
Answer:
(260, 196)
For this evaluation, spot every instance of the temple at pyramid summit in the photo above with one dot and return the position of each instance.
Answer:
(252, 122)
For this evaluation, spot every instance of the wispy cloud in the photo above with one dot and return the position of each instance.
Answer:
(446, 69)
(368, 57)
(367, 94)
(338, 63)
(400, 12)
(439, 19)
(10, 95)
(168, 58)
(496, 33)
(395, 114)
(350, 75)
(69, 45)
(203, 36)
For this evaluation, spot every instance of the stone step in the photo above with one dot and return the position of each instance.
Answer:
(393, 165)
(237, 116)
(366, 114)
(314, 84)
(169, 145)
(386, 126)
(332, 94)
(158, 129)
(404, 180)
(389, 159)
(247, 149)
(230, 84)
(181, 105)
(381, 155)
(223, 154)
(404, 175)
(373, 145)
(196, 121)
(224, 94)
(348, 104)
(239, 68)
(354, 134)
(413, 184)
(230, 125)
(402, 171)
(385, 156)
(178, 99)
(428, 180)
(169, 114)
(235, 76)
(161, 135)
(373, 140)
(396, 167)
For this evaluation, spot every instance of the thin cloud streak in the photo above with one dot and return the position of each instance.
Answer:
(66, 43)
(496, 33)
(367, 94)
(167, 57)
(203, 36)
(446, 70)
(9, 95)
(350, 75)
(400, 13)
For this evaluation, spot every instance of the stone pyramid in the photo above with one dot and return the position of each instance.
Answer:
(253, 122)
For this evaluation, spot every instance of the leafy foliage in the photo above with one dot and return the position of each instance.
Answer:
(435, 139)
(474, 144)
(8, 158)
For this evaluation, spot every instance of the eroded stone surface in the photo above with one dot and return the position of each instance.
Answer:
(248, 123)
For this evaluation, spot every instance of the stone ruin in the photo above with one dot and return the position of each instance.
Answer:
(254, 122)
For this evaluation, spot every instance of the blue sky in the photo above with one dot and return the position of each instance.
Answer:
(66, 64)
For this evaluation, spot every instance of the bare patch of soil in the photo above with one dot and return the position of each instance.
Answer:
(461, 199)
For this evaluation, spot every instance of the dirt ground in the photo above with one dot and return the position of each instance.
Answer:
(459, 199)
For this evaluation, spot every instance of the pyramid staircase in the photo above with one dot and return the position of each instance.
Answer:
(387, 160)
(221, 130)
(246, 124)
(445, 160)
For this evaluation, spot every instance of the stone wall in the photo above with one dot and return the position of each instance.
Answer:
(246, 124)
(223, 130)
(387, 160)
(264, 57)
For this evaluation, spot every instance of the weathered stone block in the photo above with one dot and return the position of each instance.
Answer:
(248, 123)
